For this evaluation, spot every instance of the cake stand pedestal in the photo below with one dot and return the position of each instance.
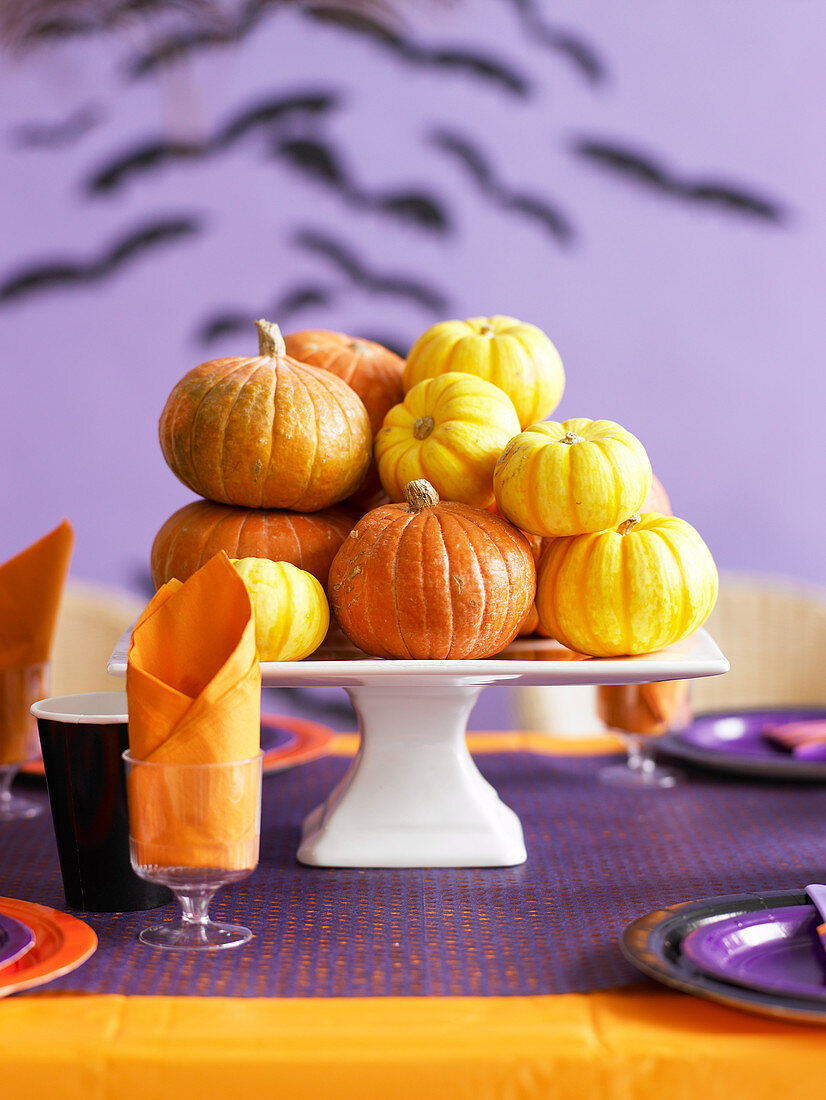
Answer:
(412, 796)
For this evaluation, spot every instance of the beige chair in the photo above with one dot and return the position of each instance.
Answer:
(92, 617)
(772, 630)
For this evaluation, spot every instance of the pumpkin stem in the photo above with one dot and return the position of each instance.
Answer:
(420, 495)
(486, 330)
(571, 438)
(270, 341)
(423, 427)
(629, 524)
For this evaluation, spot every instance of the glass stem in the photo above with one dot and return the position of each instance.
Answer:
(7, 774)
(195, 906)
(639, 754)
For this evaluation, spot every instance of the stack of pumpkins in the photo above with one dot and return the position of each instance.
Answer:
(497, 518)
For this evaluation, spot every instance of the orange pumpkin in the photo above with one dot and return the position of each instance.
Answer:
(426, 580)
(657, 499)
(266, 431)
(191, 536)
(373, 371)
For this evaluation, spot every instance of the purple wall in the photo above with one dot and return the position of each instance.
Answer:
(673, 156)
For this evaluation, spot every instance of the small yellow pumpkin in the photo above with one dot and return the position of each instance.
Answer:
(571, 478)
(518, 358)
(449, 431)
(647, 584)
(291, 610)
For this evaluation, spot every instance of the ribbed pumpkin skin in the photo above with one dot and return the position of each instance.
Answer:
(553, 488)
(614, 595)
(266, 432)
(373, 371)
(291, 610)
(193, 534)
(469, 422)
(518, 358)
(448, 582)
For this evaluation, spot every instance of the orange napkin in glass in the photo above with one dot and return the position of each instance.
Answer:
(31, 586)
(193, 685)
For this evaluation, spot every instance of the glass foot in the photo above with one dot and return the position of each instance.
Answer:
(14, 807)
(191, 936)
(652, 777)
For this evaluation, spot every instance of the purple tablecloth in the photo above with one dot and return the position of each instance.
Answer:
(597, 858)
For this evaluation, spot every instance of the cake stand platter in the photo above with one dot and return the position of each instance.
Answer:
(412, 796)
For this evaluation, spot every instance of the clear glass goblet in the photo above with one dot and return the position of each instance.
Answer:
(638, 714)
(19, 742)
(194, 828)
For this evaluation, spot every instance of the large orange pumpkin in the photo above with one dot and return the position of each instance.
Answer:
(371, 369)
(426, 580)
(193, 534)
(266, 431)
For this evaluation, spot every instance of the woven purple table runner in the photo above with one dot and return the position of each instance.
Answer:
(597, 858)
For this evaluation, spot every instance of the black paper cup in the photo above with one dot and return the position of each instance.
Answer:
(82, 738)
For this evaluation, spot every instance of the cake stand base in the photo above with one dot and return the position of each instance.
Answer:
(413, 796)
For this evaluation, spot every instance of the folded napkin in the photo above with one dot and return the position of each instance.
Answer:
(193, 685)
(31, 586)
(805, 739)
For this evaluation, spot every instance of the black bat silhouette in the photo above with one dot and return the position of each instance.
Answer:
(584, 58)
(456, 58)
(54, 135)
(644, 169)
(269, 111)
(292, 302)
(156, 153)
(151, 155)
(390, 284)
(50, 275)
(521, 202)
(322, 163)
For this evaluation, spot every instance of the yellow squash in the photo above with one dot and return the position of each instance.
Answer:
(518, 358)
(291, 610)
(449, 431)
(647, 584)
(571, 478)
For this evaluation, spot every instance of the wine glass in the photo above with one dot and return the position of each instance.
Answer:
(194, 828)
(638, 713)
(19, 743)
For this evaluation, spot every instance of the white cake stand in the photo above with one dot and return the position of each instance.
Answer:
(412, 796)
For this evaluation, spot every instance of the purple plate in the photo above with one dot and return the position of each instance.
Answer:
(734, 741)
(16, 939)
(773, 950)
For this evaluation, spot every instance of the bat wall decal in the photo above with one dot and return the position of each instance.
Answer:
(649, 171)
(57, 274)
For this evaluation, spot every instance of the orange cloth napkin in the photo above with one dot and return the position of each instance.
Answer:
(31, 586)
(193, 685)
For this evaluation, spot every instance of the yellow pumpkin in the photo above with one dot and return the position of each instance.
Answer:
(291, 610)
(571, 478)
(647, 584)
(518, 358)
(449, 431)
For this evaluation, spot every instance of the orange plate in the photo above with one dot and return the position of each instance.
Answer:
(310, 740)
(61, 944)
